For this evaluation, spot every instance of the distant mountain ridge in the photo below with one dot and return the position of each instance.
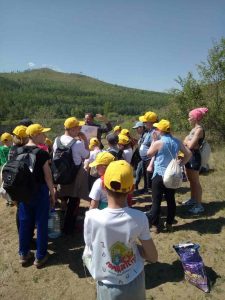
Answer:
(63, 94)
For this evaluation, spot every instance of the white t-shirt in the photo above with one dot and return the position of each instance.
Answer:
(110, 236)
(127, 154)
(92, 156)
(97, 192)
(78, 149)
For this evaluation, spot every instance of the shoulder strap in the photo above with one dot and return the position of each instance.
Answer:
(19, 151)
(169, 151)
(71, 143)
(60, 145)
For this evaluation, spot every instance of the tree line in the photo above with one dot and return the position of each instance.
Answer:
(51, 96)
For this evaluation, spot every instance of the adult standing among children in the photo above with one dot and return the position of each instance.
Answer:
(89, 120)
(141, 131)
(194, 141)
(165, 147)
(73, 192)
(149, 118)
(37, 210)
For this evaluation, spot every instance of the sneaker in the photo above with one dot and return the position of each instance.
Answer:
(189, 202)
(140, 192)
(40, 262)
(195, 210)
(147, 213)
(154, 229)
(24, 259)
(169, 227)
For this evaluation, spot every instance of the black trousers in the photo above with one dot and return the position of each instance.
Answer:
(147, 175)
(158, 190)
(71, 214)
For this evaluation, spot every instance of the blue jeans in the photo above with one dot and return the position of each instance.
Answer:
(36, 212)
(134, 290)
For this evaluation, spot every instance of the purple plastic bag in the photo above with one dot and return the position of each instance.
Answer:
(194, 269)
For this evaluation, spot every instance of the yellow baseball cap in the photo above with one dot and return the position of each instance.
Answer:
(35, 129)
(20, 131)
(125, 131)
(123, 139)
(93, 142)
(117, 127)
(102, 158)
(180, 153)
(163, 125)
(149, 116)
(6, 137)
(119, 177)
(73, 122)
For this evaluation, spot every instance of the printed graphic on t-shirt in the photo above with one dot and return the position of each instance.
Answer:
(122, 258)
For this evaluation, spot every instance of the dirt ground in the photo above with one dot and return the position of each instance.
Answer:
(63, 277)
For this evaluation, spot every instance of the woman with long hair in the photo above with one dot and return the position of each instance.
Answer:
(194, 141)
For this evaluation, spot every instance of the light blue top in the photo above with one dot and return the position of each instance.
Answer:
(145, 145)
(169, 150)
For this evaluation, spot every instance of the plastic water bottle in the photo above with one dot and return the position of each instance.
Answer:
(54, 230)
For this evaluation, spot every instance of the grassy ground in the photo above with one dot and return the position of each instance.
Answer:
(64, 277)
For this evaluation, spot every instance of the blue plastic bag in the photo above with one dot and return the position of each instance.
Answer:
(194, 269)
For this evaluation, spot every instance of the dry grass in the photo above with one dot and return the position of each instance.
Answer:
(64, 278)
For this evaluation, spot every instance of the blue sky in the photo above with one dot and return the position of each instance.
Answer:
(143, 44)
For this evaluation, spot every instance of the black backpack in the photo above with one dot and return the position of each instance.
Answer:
(63, 167)
(136, 158)
(17, 175)
(118, 155)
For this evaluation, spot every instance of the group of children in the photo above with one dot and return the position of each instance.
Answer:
(117, 237)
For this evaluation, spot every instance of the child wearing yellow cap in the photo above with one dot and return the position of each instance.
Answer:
(98, 194)
(124, 144)
(36, 211)
(94, 147)
(117, 129)
(6, 139)
(19, 139)
(115, 259)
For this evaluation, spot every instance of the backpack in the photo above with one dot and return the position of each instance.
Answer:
(173, 176)
(118, 155)
(136, 158)
(63, 167)
(17, 175)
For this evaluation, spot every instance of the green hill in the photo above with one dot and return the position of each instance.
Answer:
(59, 95)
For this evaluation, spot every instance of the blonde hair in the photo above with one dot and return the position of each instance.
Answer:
(19, 141)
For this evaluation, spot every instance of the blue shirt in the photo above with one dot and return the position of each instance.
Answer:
(169, 150)
(145, 145)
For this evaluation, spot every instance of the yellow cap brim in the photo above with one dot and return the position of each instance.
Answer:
(155, 125)
(46, 129)
(81, 123)
(94, 164)
(142, 119)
